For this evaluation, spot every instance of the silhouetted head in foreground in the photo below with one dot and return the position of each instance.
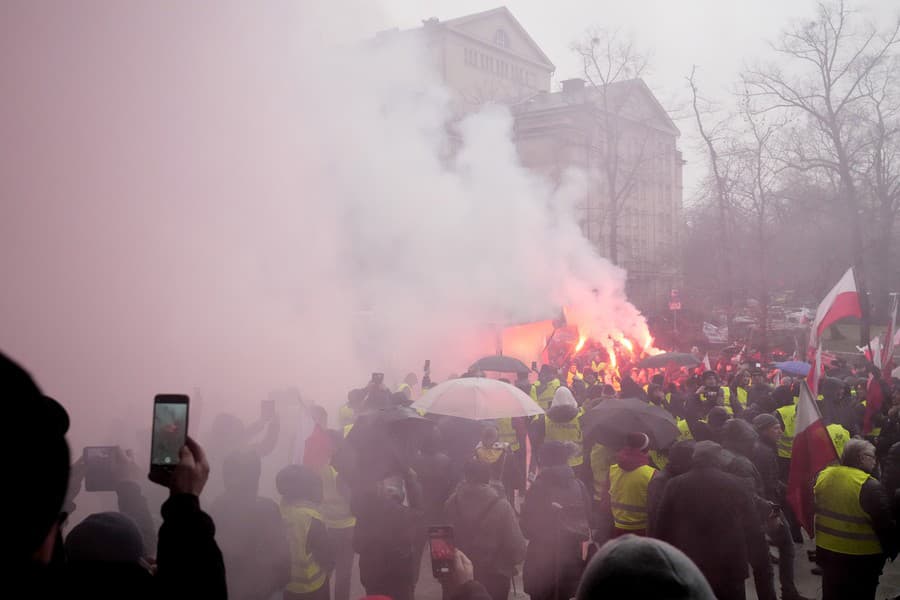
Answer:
(36, 437)
(640, 567)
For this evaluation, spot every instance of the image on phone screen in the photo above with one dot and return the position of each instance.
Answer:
(169, 432)
(443, 550)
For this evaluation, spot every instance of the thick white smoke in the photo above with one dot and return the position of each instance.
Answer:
(222, 196)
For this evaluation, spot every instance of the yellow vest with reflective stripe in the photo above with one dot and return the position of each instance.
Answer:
(545, 397)
(841, 523)
(628, 496)
(335, 509)
(347, 429)
(839, 437)
(508, 433)
(346, 415)
(306, 574)
(786, 443)
(570, 431)
(602, 458)
(684, 430)
(659, 459)
(741, 397)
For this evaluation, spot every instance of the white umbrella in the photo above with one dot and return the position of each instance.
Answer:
(477, 398)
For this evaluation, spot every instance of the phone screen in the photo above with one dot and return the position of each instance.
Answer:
(98, 473)
(170, 422)
(443, 551)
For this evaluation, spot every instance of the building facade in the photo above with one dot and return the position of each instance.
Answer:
(618, 135)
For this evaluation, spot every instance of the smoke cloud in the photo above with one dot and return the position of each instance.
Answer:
(240, 197)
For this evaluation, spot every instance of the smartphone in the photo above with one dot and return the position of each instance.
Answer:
(98, 468)
(534, 366)
(170, 425)
(378, 378)
(443, 550)
(427, 368)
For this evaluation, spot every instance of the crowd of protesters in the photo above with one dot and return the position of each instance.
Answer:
(532, 496)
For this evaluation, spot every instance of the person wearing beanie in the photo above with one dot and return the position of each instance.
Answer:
(562, 423)
(628, 481)
(640, 567)
(545, 387)
(555, 520)
(710, 516)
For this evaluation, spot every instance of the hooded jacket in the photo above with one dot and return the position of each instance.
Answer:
(640, 567)
(563, 411)
(485, 528)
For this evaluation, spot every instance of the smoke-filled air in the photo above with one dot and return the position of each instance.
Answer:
(234, 202)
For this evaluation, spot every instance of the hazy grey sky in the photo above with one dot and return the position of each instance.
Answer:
(718, 36)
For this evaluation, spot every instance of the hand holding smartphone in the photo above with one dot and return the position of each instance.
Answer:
(99, 472)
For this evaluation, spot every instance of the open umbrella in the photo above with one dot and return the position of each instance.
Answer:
(610, 421)
(660, 361)
(797, 368)
(500, 364)
(477, 398)
(383, 440)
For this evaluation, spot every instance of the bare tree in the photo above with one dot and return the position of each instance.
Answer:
(609, 59)
(722, 190)
(881, 176)
(757, 191)
(825, 64)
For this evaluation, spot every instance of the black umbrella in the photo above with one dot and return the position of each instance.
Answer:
(385, 439)
(661, 361)
(501, 364)
(610, 421)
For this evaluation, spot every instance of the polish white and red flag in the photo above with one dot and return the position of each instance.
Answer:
(706, 364)
(813, 451)
(841, 302)
(815, 372)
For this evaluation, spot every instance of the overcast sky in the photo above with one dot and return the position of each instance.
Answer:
(717, 36)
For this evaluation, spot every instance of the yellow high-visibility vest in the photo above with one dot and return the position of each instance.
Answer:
(570, 431)
(741, 397)
(841, 523)
(335, 509)
(508, 433)
(346, 415)
(628, 496)
(306, 574)
(839, 436)
(602, 458)
(789, 417)
(545, 397)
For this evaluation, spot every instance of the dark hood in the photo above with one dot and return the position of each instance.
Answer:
(681, 457)
(641, 567)
(472, 499)
(558, 476)
(562, 413)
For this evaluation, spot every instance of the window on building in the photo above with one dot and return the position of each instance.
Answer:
(501, 39)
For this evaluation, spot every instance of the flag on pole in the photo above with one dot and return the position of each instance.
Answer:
(812, 378)
(813, 451)
(706, 362)
(841, 302)
(874, 400)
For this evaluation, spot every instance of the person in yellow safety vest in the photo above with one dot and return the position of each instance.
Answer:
(572, 375)
(339, 522)
(739, 390)
(839, 436)
(543, 389)
(311, 557)
(492, 452)
(347, 413)
(562, 423)
(408, 386)
(854, 526)
(787, 414)
(628, 481)
(712, 393)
